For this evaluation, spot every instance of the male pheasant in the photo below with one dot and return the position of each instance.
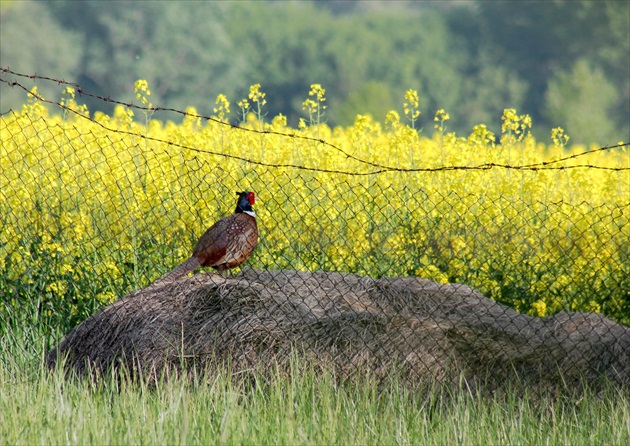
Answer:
(228, 243)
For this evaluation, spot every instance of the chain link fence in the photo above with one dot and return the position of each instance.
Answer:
(485, 272)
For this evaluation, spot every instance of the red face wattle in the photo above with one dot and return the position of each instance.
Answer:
(251, 198)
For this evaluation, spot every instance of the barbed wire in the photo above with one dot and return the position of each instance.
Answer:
(380, 168)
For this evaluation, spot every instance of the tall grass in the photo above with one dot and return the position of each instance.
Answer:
(303, 407)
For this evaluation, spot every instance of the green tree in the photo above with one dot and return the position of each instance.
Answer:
(580, 101)
(287, 47)
(32, 41)
(373, 98)
(181, 48)
(538, 39)
(290, 46)
(489, 83)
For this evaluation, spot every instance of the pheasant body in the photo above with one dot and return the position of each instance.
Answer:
(226, 244)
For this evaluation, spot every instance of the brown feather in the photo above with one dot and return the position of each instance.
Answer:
(228, 243)
(179, 271)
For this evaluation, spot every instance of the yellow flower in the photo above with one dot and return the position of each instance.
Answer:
(410, 107)
(35, 106)
(223, 108)
(513, 124)
(69, 91)
(392, 117)
(593, 306)
(440, 118)
(412, 98)
(141, 88)
(315, 107)
(243, 103)
(256, 95)
(33, 93)
(124, 115)
(510, 120)
(558, 137)
(309, 105)
(318, 91)
(540, 308)
(57, 287)
(481, 136)
(279, 121)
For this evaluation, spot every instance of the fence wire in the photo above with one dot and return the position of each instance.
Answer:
(489, 271)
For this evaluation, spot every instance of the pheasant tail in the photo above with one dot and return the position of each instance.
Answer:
(188, 266)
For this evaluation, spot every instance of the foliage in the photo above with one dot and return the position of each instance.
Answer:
(30, 41)
(527, 38)
(183, 50)
(346, 55)
(372, 98)
(472, 58)
(92, 208)
(583, 99)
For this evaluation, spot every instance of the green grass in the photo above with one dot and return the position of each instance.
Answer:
(41, 407)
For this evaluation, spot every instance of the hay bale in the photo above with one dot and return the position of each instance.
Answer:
(425, 331)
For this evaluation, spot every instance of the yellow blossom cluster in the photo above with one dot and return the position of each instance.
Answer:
(99, 205)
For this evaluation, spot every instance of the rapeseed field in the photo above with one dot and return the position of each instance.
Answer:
(93, 206)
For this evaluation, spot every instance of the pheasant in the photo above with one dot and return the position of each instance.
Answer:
(228, 243)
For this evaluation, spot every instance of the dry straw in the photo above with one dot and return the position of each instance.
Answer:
(428, 333)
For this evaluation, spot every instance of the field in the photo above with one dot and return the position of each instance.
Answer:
(94, 207)
(37, 407)
(111, 204)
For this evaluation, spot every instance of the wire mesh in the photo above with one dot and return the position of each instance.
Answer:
(360, 265)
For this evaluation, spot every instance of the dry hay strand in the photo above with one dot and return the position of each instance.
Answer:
(426, 332)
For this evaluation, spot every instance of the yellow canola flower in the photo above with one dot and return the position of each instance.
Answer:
(223, 107)
(410, 107)
(411, 96)
(256, 95)
(141, 88)
(392, 117)
(116, 199)
(440, 118)
(243, 103)
(510, 120)
(540, 308)
(309, 105)
(558, 137)
(33, 93)
(317, 91)
(69, 91)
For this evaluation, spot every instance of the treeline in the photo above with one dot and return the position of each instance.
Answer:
(565, 62)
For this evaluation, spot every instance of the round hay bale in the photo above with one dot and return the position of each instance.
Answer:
(423, 331)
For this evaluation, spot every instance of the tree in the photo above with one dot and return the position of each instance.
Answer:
(580, 101)
(290, 46)
(537, 39)
(373, 98)
(181, 48)
(38, 46)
